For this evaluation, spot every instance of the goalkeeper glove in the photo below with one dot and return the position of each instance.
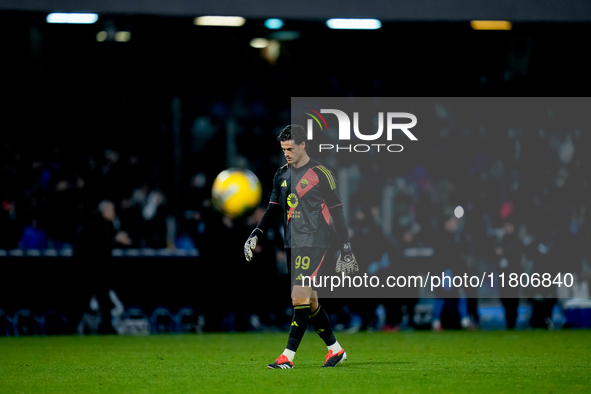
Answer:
(251, 243)
(346, 262)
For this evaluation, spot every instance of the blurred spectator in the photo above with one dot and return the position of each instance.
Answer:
(373, 252)
(9, 227)
(154, 215)
(144, 214)
(99, 236)
(95, 241)
(508, 253)
(450, 254)
(33, 237)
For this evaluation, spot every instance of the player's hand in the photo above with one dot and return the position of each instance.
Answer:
(346, 262)
(251, 243)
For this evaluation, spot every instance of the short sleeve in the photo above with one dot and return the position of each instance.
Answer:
(276, 192)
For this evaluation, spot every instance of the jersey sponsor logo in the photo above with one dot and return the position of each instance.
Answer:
(292, 200)
(294, 324)
(304, 183)
(284, 184)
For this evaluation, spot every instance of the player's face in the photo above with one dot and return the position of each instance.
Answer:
(292, 152)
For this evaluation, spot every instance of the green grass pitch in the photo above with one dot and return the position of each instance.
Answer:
(406, 362)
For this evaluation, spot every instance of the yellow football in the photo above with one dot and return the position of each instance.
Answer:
(236, 192)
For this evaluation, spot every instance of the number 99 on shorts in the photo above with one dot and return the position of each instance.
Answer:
(303, 262)
(306, 262)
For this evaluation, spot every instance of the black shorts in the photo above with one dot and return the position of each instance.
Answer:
(305, 262)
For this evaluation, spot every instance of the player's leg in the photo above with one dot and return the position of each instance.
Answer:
(301, 315)
(321, 323)
(283, 362)
(305, 263)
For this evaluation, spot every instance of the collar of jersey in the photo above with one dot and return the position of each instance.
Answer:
(309, 164)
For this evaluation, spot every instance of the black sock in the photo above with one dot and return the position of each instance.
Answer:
(299, 324)
(321, 324)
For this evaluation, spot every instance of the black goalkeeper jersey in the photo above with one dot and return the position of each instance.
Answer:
(305, 195)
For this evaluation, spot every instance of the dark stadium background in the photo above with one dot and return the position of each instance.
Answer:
(69, 103)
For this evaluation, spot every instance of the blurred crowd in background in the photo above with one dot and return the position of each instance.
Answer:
(45, 199)
(524, 193)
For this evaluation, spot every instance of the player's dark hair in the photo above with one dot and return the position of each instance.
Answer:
(293, 132)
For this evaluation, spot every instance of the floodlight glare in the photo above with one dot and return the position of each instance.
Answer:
(284, 35)
(259, 43)
(219, 21)
(273, 23)
(122, 36)
(360, 24)
(77, 18)
(101, 36)
(490, 25)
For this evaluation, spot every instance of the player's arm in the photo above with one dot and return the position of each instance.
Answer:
(269, 218)
(346, 262)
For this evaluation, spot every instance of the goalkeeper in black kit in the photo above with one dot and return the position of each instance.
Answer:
(306, 197)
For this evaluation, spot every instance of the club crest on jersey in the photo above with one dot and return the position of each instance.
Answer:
(304, 183)
(292, 200)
